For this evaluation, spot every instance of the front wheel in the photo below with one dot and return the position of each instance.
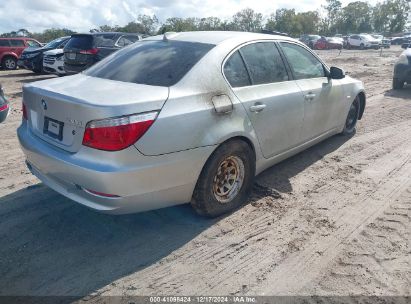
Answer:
(226, 180)
(397, 84)
(352, 117)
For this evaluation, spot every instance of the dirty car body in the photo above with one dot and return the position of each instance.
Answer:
(187, 94)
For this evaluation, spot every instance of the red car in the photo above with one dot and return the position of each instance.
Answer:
(11, 49)
(333, 43)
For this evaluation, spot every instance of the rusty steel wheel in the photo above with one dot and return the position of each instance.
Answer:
(229, 179)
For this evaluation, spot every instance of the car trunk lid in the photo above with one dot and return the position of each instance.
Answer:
(59, 109)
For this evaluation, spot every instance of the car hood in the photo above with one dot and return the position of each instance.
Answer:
(54, 52)
(407, 52)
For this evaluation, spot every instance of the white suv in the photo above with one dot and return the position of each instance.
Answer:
(363, 42)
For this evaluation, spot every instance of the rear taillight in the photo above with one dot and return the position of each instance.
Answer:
(93, 51)
(116, 134)
(4, 107)
(24, 111)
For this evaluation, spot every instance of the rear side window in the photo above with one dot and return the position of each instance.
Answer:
(264, 63)
(235, 71)
(80, 42)
(17, 42)
(157, 63)
(126, 40)
(4, 42)
(303, 64)
(104, 40)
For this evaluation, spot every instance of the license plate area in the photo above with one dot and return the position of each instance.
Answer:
(71, 56)
(53, 128)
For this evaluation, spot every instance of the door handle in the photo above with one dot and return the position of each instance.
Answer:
(257, 107)
(309, 96)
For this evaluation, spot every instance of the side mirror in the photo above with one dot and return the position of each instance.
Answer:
(336, 73)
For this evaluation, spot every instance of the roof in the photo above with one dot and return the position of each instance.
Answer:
(17, 38)
(106, 33)
(215, 37)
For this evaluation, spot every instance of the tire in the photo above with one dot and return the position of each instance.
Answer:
(352, 117)
(9, 63)
(397, 84)
(362, 47)
(211, 198)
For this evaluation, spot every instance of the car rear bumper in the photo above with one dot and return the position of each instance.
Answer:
(72, 69)
(149, 182)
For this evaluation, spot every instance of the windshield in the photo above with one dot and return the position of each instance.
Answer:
(158, 63)
(54, 43)
(368, 37)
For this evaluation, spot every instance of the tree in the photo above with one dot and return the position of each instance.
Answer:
(247, 20)
(333, 9)
(356, 17)
(391, 16)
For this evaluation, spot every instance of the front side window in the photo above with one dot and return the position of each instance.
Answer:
(156, 62)
(303, 64)
(264, 63)
(33, 43)
(235, 71)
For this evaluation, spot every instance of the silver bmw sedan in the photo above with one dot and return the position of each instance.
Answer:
(183, 117)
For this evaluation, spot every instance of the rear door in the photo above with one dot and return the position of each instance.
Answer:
(323, 97)
(273, 101)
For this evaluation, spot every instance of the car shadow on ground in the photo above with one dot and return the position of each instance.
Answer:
(404, 93)
(277, 178)
(53, 246)
(16, 75)
(40, 77)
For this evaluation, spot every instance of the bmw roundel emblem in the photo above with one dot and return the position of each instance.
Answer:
(43, 102)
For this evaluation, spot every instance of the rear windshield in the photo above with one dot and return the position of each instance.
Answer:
(157, 63)
(81, 42)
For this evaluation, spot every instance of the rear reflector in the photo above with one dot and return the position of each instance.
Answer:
(116, 134)
(24, 111)
(4, 107)
(93, 51)
(101, 193)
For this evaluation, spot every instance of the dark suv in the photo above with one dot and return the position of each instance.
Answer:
(84, 50)
(32, 58)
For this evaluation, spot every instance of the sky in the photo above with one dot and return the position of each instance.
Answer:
(82, 15)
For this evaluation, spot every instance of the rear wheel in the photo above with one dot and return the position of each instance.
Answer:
(226, 180)
(352, 117)
(397, 84)
(9, 63)
(362, 46)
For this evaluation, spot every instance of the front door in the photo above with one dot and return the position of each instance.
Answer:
(323, 97)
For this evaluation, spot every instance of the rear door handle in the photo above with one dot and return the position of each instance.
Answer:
(258, 107)
(309, 96)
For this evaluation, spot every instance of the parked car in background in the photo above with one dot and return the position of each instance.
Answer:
(310, 40)
(402, 70)
(362, 42)
(53, 62)
(11, 49)
(400, 40)
(328, 43)
(4, 106)
(183, 117)
(384, 42)
(84, 50)
(32, 58)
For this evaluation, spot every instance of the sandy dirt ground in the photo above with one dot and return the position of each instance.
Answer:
(333, 220)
